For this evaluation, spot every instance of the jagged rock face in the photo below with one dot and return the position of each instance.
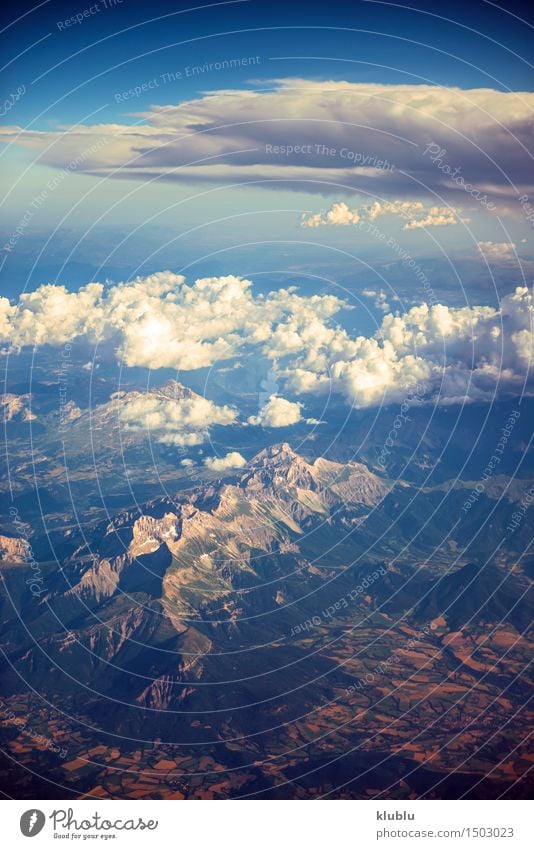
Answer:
(352, 483)
(14, 549)
(16, 407)
(210, 551)
(99, 581)
(278, 466)
(195, 555)
(320, 485)
(266, 511)
(162, 692)
(158, 695)
(145, 589)
(175, 391)
(126, 545)
(150, 533)
(70, 412)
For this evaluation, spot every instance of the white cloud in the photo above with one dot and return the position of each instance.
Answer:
(175, 422)
(437, 216)
(457, 354)
(380, 298)
(160, 321)
(405, 208)
(338, 215)
(418, 216)
(232, 460)
(277, 412)
(379, 134)
(498, 251)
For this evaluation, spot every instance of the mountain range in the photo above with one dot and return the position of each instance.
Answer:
(244, 627)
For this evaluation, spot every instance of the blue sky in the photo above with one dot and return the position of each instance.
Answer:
(120, 60)
(115, 47)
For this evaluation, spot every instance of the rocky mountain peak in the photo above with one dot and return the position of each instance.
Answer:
(175, 391)
(150, 533)
(279, 467)
(279, 464)
(14, 549)
(16, 407)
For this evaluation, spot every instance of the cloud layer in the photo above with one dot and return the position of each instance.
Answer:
(160, 321)
(457, 353)
(387, 139)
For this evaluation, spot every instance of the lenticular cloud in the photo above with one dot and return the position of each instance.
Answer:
(381, 136)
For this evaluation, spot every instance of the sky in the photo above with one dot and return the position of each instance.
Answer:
(120, 65)
(78, 68)
(377, 155)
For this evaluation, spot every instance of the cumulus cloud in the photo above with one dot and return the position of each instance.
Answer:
(161, 321)
(338, 215)
(277, 412)
(232, 460)
(175, 422)
(418, 216)
(437, 216)
(498, 251)
(456, 353)
(380, 298)
(379, 133)
(405, 208)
